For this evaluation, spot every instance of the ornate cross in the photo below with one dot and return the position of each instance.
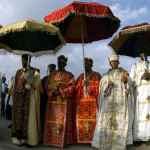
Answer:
(87, 125)
(54, 130)
(55, 109)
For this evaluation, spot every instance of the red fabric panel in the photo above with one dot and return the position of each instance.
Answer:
(80, 7)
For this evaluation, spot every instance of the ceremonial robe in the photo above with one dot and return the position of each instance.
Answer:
(114, 121)
(58, 117)
(141, 128)
(86, 108)
(26, 108)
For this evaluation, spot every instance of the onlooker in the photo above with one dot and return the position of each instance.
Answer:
(4, 92)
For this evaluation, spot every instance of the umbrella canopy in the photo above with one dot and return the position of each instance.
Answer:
(31, 37)
(97, 21)
(127, 41)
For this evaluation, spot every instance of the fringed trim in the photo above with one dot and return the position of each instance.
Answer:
(31, 25)
(86, 14)
(36, 54)
(134, 30)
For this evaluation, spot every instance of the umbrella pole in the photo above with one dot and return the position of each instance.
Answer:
(83, 57)
(145, 63)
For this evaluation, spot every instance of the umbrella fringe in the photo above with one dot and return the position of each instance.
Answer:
(25, 29)
(136, 29)
(86, 14)
(36, 54)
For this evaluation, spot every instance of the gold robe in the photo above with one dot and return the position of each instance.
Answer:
(33, 135)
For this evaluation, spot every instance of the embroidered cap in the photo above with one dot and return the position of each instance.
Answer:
(62, 58)
(88, 60)
(113, 56)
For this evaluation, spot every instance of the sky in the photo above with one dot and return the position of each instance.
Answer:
(130, 12)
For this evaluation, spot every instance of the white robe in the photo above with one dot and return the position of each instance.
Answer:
(141, 129)
(116, 100)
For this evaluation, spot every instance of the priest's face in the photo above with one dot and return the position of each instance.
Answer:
(51, 69)
(24, 62)
(61, 65)
(143, 56)
(88, 67)
(114, 64)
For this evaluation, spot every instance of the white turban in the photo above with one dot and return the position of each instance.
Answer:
(113, 56)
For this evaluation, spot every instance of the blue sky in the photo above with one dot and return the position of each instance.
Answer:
(130, 12)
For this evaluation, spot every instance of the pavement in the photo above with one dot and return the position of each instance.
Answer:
(6, 143)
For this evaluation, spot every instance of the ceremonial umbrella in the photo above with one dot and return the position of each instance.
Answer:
(83, 22)
(127, 41)
(31, 37)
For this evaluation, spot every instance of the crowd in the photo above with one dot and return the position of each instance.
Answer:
(109, 112)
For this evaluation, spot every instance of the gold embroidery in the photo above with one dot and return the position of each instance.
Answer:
(120, 121)
(90, 99)
(142, 121)
(55, 102)
(58, 127)
(53, 84)
(59, 100)
(144, 103)
(122, 104)
(110, 112)
(119, 136)
(55, 122)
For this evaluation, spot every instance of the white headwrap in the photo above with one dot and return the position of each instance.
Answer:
(113, 56)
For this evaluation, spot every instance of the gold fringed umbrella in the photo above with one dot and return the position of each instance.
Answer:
(31, 37)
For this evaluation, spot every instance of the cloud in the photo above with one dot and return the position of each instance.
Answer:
(127, 14)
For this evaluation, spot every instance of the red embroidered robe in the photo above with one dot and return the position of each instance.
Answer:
(59, 110)
(86, 108)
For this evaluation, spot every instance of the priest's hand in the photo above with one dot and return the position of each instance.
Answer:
(124, 80)
(110, 84)
(145, 76)
(85, 83)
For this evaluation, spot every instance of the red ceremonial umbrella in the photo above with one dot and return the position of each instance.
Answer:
(97, 21)
(83, 22)
(1, 26)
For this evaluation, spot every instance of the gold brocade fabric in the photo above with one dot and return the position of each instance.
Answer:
(113, 120)
(59, 112)
(86, 108)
